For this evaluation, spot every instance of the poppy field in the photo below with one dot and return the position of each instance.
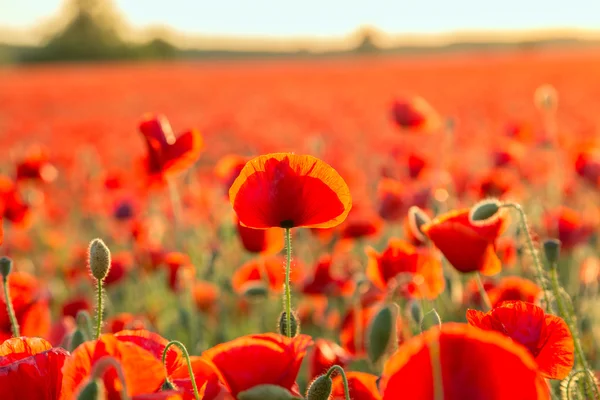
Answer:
(366, 228)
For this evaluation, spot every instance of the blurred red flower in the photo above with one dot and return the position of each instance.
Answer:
(324, 355)
(362, 386)
(547, 337)
(287, 190)
(569, 226)
(414, 114)
(265, 270)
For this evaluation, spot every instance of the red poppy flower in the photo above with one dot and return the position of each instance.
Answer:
(30, 304)
(206, 295)
(415, 164)
(394, 199)
(471, 293)
(267, 270)
(120, 264)
(143, 371)
(155, 344)
(414, 114)
(417, 271)
(265, 241)
(587, 165)
(466, 246)
(167, 154)
(506, 249)
(496, 182)
(255, 360)
(569, 226)
(362, 221)
(287, 190)
(547, 337)
(72, 307)
(36, 166)
(514, 288)
(324, 355)
(322, 282)
(207, 376)
(12, 205)
(30, 369)
(412, 226)
(362, 386)
(175, 263)
(124, 321)
(493, 360)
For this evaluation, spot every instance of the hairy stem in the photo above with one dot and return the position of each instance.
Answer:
(344, 379)
(288, 290)
(10, 310)
(99, 310)
(186, 355)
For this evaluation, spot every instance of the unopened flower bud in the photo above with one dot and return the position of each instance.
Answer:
(416, 312)
(320, 388)
(267, 392)
(552, 251)
(382, 336)
(282, 324)
(93, 390)
(5, 267)
(99, 259)
(77, 339)
(484, 211)
(255, 290)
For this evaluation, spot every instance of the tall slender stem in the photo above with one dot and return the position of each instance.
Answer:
(9, 309)
(186, 355)
(482, 292)
(99, 310)
(288, 290)
(536, 259)
(344, 379)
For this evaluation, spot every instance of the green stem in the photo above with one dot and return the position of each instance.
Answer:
(187, 360)
(99, 311)
(344, 379)
(10, 310)
(563, 311)
(482, 292)
(536, 259)
(288, 290)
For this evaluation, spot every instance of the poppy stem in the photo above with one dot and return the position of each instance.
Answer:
(534, 254)
(187, 360)
(100, 368)
(288, 290)
(175, 204)
(482, 292)
(99, 309)
(344, 379)
(9, 308)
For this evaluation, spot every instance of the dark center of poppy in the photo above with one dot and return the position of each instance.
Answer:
(287, 224)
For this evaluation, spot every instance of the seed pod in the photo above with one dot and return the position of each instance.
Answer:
(5, 267)
(320, 388)
(99, 259)
(552, 251)
(282, 324)
(382, 336)
(267, 392)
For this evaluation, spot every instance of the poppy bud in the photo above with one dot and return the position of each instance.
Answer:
(167, 386)
(552, 251)
(84, 323)
(382, 336)
(416, 312)
(484, 211)
(416, 219)
(94, 390)
(431, 319)
(76, 339)
(267, 392)
(282, 324)
(5, 267)
(99, 259)
(255, 290)
(320, 388)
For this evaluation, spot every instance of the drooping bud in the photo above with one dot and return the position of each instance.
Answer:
(77, 338)
(320, 388)
(416, 219)
(430, 320)
(99, 259)
(267, 392)
(282, 324)
(552, 251)
(93, 390)
(485, 211)
(5, 267)
(255, 291)
(382, 336)
(416, 312)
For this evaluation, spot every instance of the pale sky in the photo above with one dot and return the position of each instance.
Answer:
(329, 17)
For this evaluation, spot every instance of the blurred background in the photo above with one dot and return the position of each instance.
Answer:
(33, 31)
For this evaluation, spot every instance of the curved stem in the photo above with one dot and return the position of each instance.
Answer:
(187, 360)
(536, 259)
(102, 365)
(482, 292)
(10, 310)
(344, 379)
(288, 290)
(99, 311)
